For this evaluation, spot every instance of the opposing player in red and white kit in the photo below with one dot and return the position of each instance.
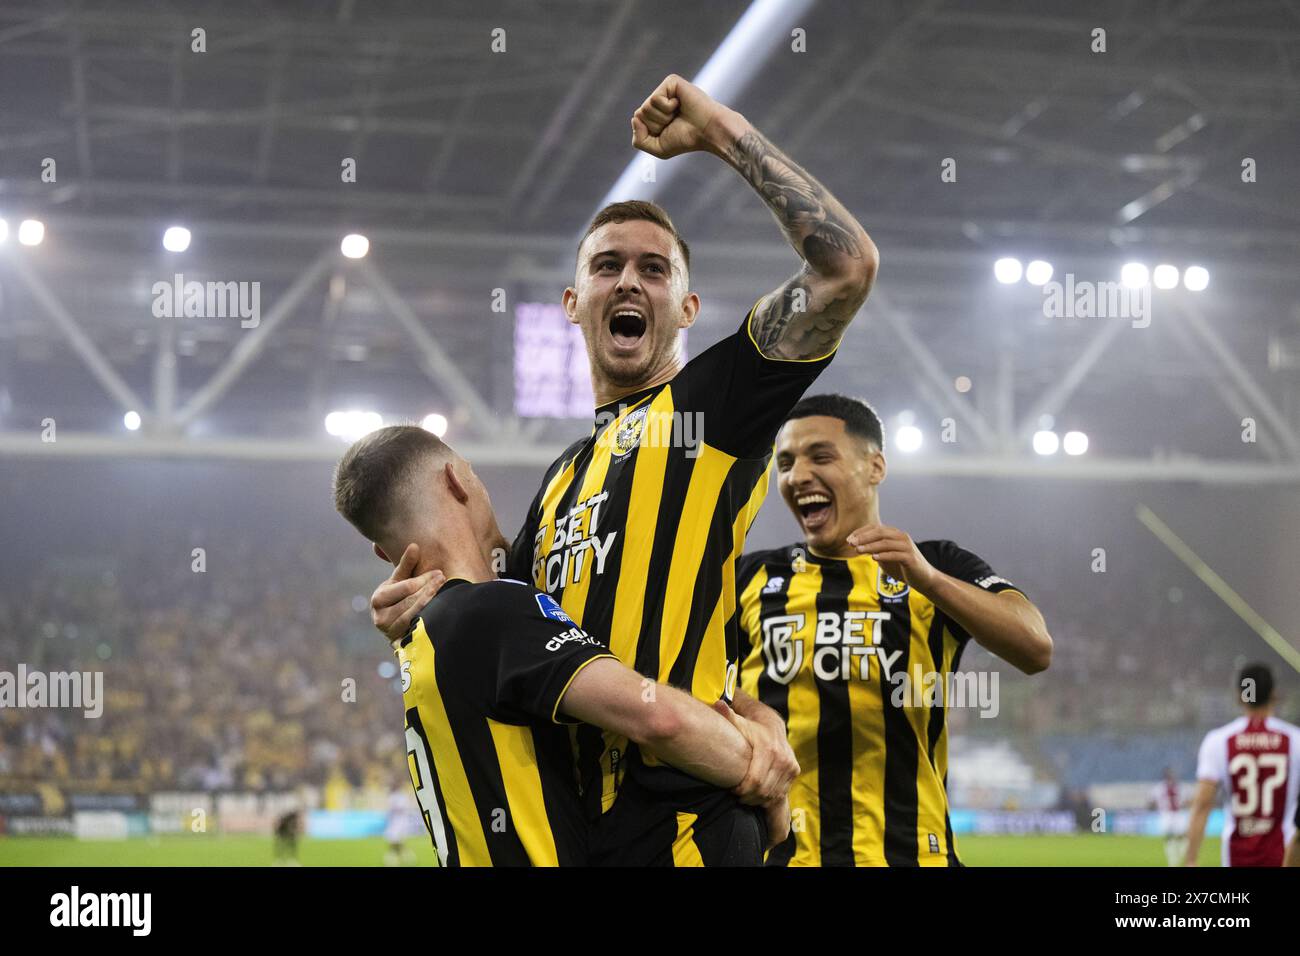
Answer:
(1256, 759)
(1173, 822)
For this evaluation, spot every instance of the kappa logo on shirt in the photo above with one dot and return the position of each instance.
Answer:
(548, 606)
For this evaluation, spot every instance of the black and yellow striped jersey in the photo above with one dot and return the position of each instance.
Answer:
(484, 668)
(637, 528)
(828, 643)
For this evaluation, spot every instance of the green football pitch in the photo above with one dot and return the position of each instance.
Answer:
(1082, 850)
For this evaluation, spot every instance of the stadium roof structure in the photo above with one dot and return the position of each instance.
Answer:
(476, 170)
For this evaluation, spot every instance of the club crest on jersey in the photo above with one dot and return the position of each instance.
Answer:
(548, 606)
(890, 589)
(628, 435)
(784, 654)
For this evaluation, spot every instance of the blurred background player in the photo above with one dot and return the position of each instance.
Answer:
(287, 830)
(836, 625)
(1172, 821)
(492, 670)
(1256, 760)
(398, 825)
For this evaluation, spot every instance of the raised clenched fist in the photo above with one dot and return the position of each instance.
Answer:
(678, 117)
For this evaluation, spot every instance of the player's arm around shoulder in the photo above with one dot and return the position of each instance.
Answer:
(515, 651)
(669, 723)
(399, 598)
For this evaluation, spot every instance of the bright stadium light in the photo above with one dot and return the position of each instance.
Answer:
(176, 239)
(1195, 278)
(1075, 443)
(1046, 443)
(31, 232)
(741, 56)
(132, 421)
(355, 245)
(1008, 270)
(1038, 272)
(908, 438)
(4, 230)
(1134, 275)
(962, 383)
(335, 423)
(435, 423)
(352, 424)
(1165, 276)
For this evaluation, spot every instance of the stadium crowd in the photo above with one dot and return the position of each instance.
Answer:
(256, 674)
(1157, 653)
(238, 677)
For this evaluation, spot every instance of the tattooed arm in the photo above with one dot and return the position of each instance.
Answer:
(805, 316)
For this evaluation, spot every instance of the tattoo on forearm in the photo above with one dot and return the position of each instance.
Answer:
(802, 205)
(802, 319)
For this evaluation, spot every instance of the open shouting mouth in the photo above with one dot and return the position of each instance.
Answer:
(816, 509)
(627, 327)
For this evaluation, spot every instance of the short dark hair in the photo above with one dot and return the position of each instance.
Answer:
(633, 210)
(859, 418)
(1255, 685)
(372, 476)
